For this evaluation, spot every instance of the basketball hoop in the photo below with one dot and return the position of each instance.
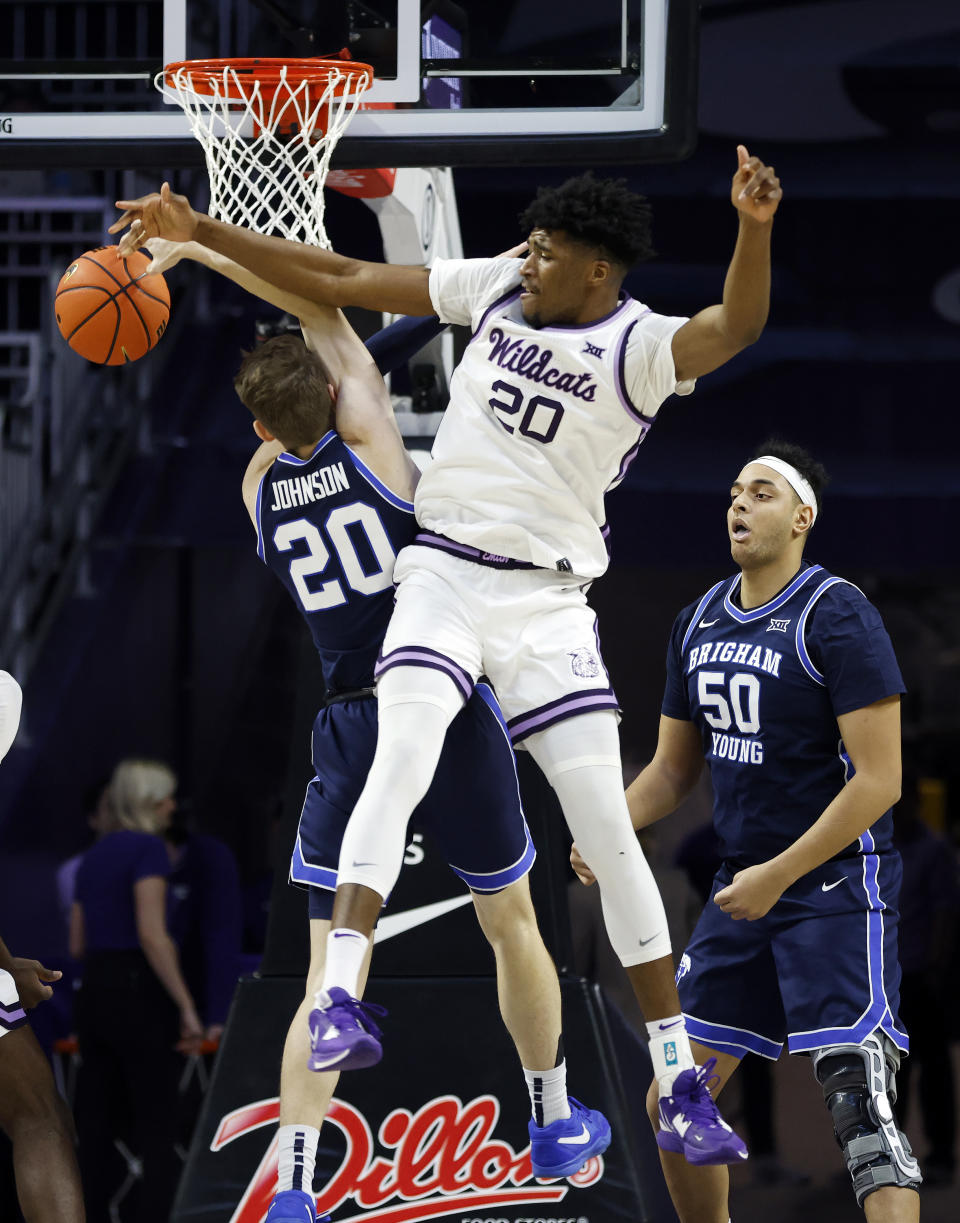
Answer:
(268, 128)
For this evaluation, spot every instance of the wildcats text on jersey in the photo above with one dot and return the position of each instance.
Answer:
(316, 486)
(529, 360)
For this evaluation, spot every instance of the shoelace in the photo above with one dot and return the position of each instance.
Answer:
(700, 1104)
(360, 1012)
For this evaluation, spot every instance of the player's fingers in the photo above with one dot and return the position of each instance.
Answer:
(138, 204)
(514, 252)
(48, 974)
(762, 180)
(743, 155)
(122, 222)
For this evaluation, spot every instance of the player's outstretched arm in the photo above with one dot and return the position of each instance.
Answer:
(871, 737)
(166, 254)
(716, 334)
(661, 787)
(319, 276)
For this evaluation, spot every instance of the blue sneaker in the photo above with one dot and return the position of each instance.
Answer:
(563, 1147)
(690, 1122)
(294, 1206)
(343, 1035)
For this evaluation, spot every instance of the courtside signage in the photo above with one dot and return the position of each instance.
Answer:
(443, 1159)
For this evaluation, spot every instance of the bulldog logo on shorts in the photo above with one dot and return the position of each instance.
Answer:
(683, 968)
(583, 663)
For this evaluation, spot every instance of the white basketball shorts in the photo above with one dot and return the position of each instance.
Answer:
(528, 630)
(12, 1014)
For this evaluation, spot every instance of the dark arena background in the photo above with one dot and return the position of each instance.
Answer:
(138, 620)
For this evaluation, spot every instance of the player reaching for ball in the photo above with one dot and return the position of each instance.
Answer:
(562, 380)
(328, 403)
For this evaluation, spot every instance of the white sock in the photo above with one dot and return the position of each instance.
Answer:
(298, 1155)
(548, 1094)
(670, 1050)
(345, 952)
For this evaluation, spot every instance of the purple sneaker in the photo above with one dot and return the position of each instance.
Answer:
(690, 1122)
(294, 1206)
(563, 1147)
(343, 1035)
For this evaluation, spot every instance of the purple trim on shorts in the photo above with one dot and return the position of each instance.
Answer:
(12, 1017)
(501, 301)
(423, 656)
(620, 381)
(596, 637)
(569, 706)
(430, 539)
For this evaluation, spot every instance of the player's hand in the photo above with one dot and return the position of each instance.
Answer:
(515, 252)
(159, 215)
(191, 1031)
(756, 190)
(752, 893)
(164, 255)
(213, 1033)
(582, 871)
(33, 981)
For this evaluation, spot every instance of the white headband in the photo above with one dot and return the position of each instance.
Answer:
(800, 486)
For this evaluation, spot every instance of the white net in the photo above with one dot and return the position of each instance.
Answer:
(268, 143)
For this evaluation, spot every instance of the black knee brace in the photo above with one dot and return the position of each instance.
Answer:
(859, 1086)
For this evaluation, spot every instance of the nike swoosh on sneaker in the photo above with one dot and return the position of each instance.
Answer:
(827, 887)
(707, 623)
(576, 1140)
(330, 1061)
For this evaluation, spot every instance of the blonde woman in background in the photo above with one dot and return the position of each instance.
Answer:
(133, 1009)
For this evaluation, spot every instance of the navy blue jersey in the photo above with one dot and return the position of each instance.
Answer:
(765, 688)
(331, 531)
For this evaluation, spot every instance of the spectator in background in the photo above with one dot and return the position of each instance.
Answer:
(205, 917)
(98, 822)
(133, 999)
(929, 909)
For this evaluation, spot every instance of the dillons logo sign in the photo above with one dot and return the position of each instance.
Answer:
(443, 1159)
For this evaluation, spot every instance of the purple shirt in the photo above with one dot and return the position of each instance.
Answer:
(105, 883)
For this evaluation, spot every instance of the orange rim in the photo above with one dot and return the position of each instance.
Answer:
(207, 74)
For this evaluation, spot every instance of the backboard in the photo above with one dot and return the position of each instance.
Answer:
(479, 82)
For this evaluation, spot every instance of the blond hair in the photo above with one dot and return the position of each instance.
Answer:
(135, 790)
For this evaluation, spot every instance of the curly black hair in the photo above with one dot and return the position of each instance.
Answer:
(598, 212)
(812, 471)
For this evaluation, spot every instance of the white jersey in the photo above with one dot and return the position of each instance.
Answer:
(542, 422)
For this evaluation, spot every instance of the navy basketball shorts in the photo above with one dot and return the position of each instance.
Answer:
(12, 1014)
(819, 969)
(472, 810)
(529, 630)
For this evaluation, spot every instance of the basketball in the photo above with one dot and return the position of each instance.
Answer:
(105, 313)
